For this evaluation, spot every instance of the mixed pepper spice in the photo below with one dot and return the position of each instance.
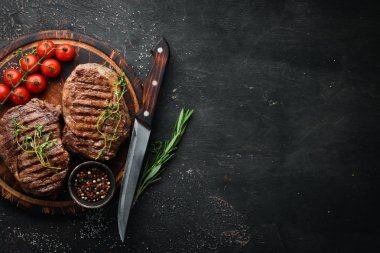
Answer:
(91, 184)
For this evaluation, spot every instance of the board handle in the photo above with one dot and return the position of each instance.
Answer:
(153, 81)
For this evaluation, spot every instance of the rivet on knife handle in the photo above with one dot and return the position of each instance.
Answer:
(153, 81)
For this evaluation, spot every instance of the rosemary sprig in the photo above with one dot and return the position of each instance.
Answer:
(35, 143)
(111, 112)
(162, 152)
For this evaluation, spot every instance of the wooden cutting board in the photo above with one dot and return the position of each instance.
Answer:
(88, 50)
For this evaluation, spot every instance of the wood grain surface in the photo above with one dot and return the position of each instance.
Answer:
(87, 50)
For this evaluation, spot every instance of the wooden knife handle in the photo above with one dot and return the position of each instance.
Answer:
(153, 81)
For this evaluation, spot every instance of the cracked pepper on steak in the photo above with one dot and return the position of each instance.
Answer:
(86, 93)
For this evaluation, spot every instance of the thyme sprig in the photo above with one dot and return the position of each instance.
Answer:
(111, 112)
(35, 143)
(162, 152)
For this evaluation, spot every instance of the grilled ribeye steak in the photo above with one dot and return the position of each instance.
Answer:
(96, 115)
(31, 146)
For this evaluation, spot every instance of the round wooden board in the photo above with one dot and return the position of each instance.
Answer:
(88, 50)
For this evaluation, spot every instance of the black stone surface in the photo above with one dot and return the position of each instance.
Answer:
(282, 153)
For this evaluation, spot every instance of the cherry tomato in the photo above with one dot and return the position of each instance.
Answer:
(11, 77)
(46, 48)
(20, 96)
(64, 52)
(4, 92)
(36, 83)
(28, 61)
(51, 68)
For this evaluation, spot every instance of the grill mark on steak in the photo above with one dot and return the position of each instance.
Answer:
(89, 128)
(89, 73)
(32, 176)
(88, 135)
(10, 140)
(85, 120)
(86, 93)
(48, 127)
(15, 113)
(90, 105)
(31, 117)
(86, 111)
(46, 189)
(83, 114)
(54, 178)
(86, 130)
(101, 104)
(55, 149)
(29, 160)
(28, 178)
(84, 144)
(38, 172)
(31, 122)
(83, 86)
(95, 96)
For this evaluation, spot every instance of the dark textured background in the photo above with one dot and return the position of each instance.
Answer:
(284, 142)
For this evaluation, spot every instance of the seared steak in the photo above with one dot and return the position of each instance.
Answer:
(31, 125)
(89, 96)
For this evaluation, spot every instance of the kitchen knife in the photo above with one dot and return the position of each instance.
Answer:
(140, 133)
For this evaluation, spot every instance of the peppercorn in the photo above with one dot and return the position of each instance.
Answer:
(91, 184)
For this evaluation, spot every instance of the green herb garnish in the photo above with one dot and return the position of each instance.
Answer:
(35, 143)
(162, 152)
(18, 52)
(111, 112)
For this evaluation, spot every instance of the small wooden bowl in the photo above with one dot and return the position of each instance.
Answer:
(100, 166)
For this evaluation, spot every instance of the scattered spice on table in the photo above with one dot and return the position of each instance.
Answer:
(91, 184)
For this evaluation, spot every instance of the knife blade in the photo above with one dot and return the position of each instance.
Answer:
(140, 133)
